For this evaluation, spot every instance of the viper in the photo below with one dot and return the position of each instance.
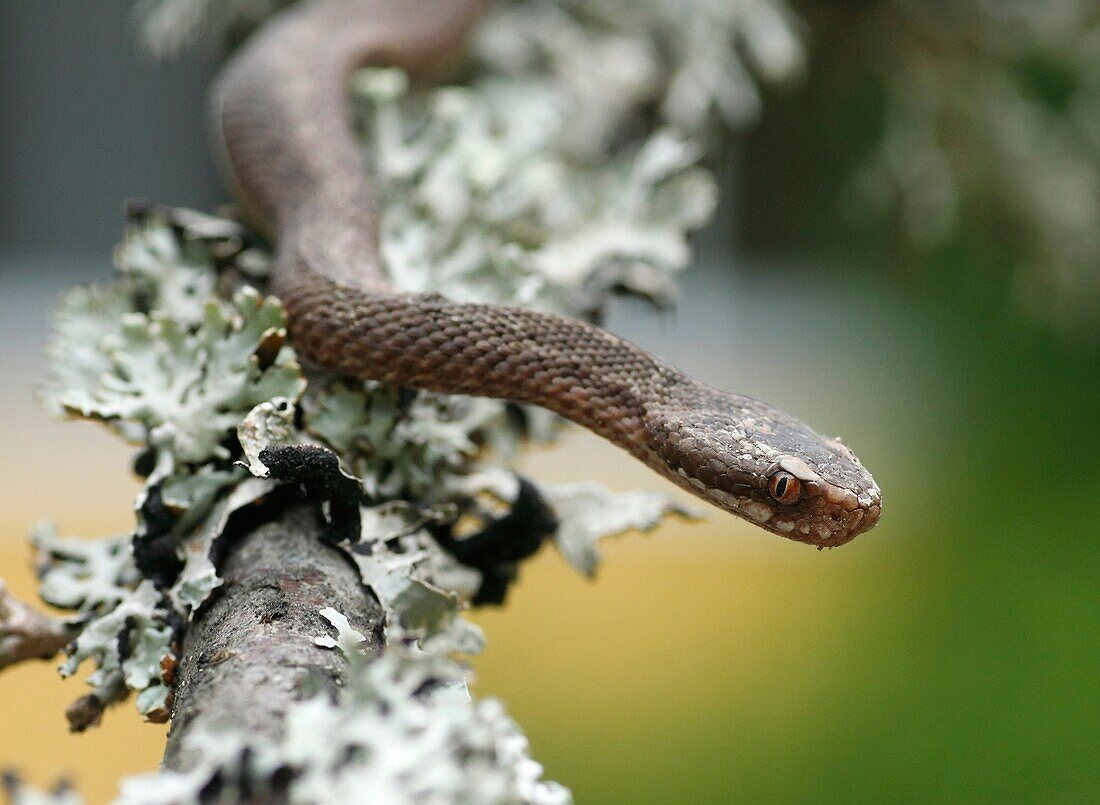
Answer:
(281, 115)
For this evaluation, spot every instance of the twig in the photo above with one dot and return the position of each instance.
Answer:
(26, 633)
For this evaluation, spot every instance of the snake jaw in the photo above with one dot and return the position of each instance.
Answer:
(827, 515)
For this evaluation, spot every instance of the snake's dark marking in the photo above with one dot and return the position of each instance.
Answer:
(280, 112)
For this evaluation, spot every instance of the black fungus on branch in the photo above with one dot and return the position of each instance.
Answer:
(317, 473)
(503, 543)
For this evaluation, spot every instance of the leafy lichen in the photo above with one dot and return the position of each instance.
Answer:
(404, 730)
(128, 645)
(187, 387)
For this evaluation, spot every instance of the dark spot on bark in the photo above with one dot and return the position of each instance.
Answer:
(276, 611)
(217, 658)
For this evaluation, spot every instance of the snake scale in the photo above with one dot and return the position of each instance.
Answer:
(280, 109)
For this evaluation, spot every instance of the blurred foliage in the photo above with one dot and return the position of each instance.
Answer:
(919, 127)
(926, 128)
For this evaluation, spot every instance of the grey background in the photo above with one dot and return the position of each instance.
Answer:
(87, 121)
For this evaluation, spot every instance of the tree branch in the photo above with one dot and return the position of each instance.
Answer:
(250, 652)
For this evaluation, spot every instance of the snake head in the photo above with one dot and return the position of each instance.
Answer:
(766, 466)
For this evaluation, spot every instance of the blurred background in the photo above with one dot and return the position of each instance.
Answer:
(893, 261)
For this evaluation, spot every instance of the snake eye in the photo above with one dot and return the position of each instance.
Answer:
(785, 488)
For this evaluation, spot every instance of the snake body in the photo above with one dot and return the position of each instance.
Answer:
(280, 111)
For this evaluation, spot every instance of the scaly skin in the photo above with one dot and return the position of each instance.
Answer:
(280, 111)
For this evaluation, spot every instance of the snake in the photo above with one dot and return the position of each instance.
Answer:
(283, 125)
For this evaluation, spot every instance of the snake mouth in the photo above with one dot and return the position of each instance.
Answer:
(819, 523)
(828, 530)
(827, 515)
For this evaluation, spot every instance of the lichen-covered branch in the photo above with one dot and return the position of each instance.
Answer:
(281, 504)
(250, 654)
(285, 692)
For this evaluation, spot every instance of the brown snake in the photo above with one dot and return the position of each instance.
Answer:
(280, 110)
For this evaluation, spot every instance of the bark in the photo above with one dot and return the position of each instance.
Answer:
(249, 653)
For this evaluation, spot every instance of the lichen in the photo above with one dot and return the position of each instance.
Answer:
(403, 730)
(187, 385)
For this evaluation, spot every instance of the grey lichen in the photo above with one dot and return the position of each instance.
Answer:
(83, 575)
(484, 200)
(184, 383)
(129, 646)
(589, 512)
(404, 730)
(697, 62)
